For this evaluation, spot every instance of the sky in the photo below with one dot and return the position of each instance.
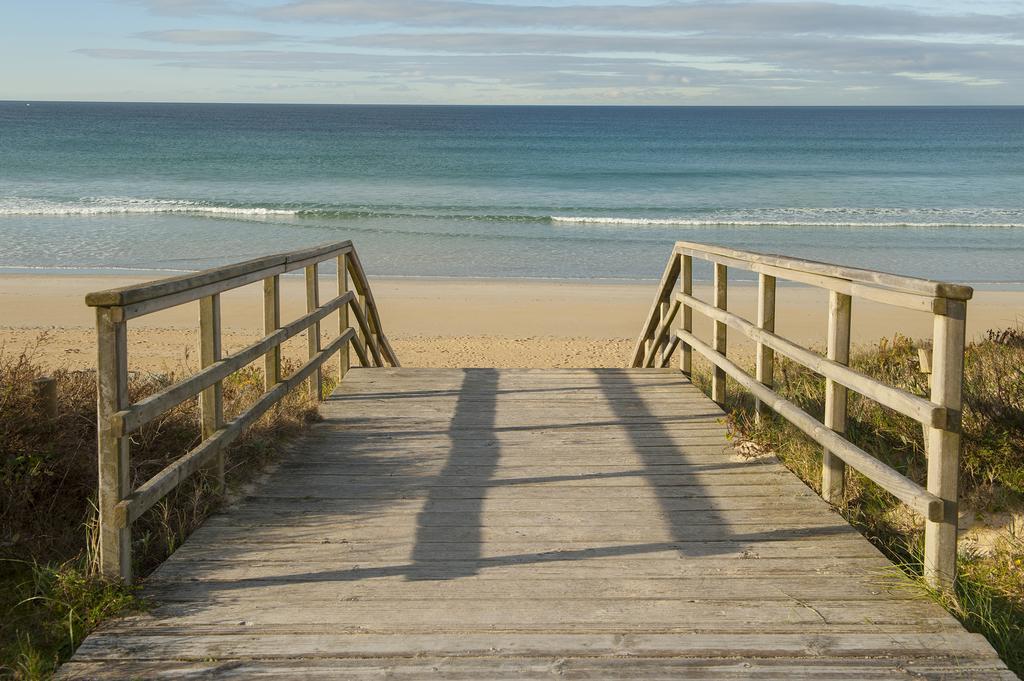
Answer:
(639, 52)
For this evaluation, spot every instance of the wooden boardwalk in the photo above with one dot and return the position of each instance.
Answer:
(521, 524)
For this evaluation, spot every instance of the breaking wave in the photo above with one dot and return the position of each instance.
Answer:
(754, 217)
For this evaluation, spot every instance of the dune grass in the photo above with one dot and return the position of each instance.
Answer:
(989, 597)
(50, 593)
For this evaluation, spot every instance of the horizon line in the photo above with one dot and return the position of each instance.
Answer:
(523, 106)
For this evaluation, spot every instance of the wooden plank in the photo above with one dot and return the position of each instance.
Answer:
(790, 515)
(568, 534)
(448, 668)
(300, 643)
(540, 469)
(727, 565)
(384, 491)
(395, 554)
(724, 569)
(325, 643)
(429, 614)
(385, 590)
(584, 667)
(470, 478)
(753, 505)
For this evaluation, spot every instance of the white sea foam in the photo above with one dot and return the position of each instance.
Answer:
(776, 217)
(729, 222)
(112, 206)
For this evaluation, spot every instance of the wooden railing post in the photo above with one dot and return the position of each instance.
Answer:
(271, 323)
(686, 324)
(344, 356)
(360, 301)
(720, 332)
(833, 470)
(114, 474)
(944, 443)
(374, 337)
(211, 400)
(316, 380)
(765, 358)
(664, 343)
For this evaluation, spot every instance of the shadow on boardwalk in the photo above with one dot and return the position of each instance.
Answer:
(474, 452)
(516, 524)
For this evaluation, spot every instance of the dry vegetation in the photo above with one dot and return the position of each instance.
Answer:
(50, 596)
(990, 592)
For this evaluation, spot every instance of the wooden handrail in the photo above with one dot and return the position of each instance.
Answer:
(117, 417)
(193, 285)
(939, 414)
(872, 278)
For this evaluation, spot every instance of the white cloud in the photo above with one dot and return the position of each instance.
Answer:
(185, 8)
(947, 77)
(183, 36)
(737, 50)
(753, 18)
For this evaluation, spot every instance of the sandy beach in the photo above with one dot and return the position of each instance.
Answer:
(444, 322)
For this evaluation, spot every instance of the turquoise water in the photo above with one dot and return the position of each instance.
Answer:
(545, 192)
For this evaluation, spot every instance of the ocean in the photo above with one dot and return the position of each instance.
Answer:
(511, 192)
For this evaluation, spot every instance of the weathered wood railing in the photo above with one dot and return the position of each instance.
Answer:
(940, 415)
(119, 504)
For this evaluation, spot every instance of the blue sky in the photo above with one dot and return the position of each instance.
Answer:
(514, 51)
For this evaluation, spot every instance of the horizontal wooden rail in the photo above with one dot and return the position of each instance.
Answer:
(157, 487)
(918, 408)
(939, 413)
(907, 491)
(145, 410)
(835, 277)
(198, 285)
(117, 417)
